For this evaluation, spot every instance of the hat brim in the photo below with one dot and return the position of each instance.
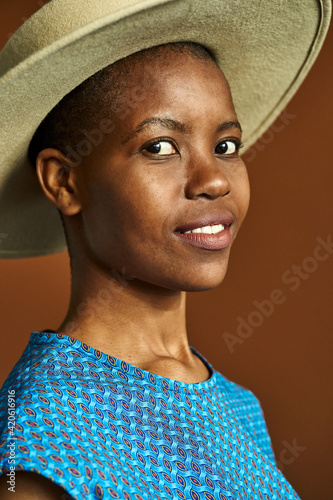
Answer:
(265, 50)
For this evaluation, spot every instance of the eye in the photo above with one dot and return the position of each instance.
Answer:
(161, 148)
(228, 147)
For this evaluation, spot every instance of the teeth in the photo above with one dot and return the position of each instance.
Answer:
(216, 228)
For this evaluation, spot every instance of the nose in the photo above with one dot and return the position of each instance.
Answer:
(206, 178)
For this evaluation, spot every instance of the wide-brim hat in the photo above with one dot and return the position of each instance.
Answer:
(265, 49)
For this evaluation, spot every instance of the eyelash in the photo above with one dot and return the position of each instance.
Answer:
(238, 145)
(157, 141)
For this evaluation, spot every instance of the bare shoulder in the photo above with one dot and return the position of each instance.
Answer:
(31, 486)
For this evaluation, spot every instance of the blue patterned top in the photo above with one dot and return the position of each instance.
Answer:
(102, 428)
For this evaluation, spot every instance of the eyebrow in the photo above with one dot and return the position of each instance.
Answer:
(229, 125)
(175, 125)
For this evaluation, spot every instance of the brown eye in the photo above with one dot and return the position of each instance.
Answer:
(227, 148)
(161, 148)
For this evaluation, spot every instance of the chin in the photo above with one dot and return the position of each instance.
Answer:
(197, 277)
(204, 286)
(202, 281)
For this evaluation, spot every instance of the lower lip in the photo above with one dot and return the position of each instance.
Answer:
(217, 241)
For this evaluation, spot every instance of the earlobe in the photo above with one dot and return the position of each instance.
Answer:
(57, 177)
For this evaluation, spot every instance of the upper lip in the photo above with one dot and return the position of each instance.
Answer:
(224, 218)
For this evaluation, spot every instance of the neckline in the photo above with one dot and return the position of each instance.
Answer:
(126, 372)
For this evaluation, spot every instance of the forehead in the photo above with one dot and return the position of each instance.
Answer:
(174, 91)
(164, 69)
(156, 61)
(173, 95)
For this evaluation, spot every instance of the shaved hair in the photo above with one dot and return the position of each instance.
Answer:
(90, 106)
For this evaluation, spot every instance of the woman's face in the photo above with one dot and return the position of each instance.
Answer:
(170, 167)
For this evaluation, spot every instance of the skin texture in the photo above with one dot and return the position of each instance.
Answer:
(122, 206)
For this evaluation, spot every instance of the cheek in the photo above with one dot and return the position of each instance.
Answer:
(241, 187)
(126, 209)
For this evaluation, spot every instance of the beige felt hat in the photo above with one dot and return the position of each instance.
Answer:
(264, 47)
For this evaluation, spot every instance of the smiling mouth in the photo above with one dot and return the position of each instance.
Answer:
(212, 237)
(214, 229)
(209, 232)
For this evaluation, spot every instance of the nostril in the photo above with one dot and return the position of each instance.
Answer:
(212, 196)
(207, 186)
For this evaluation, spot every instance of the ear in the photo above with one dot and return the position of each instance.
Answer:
(58, 177)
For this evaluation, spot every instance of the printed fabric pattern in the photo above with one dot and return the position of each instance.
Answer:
(105, 429)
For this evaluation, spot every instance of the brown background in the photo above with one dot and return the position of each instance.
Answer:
(287, 360)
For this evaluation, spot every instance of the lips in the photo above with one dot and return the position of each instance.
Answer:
(210, 232)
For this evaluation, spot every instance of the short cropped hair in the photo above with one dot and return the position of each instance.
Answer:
(95, 99)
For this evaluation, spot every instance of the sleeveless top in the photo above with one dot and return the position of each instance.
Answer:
(102, 428)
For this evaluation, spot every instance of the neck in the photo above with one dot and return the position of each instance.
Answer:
(127, 318)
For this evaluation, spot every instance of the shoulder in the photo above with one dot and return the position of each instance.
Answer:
(245, 407)
(235, 392)
(240, 401)
(31, 486)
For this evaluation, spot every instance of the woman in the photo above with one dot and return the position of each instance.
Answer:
(142, 162)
